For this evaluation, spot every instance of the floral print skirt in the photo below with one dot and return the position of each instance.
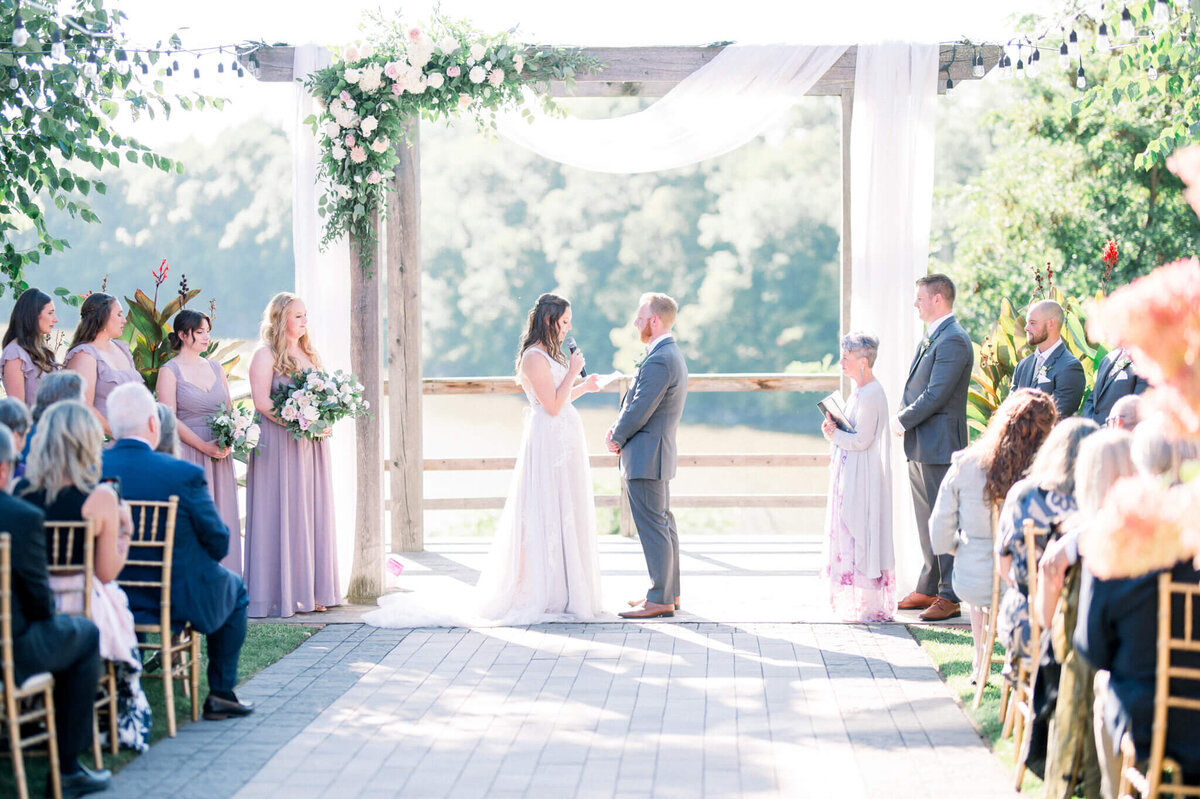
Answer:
(853, 596)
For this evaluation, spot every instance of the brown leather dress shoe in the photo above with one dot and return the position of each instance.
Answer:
(916, 601)
(941, 610)
(649, 610)
(637, 603)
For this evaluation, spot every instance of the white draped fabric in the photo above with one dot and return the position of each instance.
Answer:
(891, 198)
(720, 107)
(323, 282)
(715, 110)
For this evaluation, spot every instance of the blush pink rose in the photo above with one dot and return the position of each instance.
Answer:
(397, 88)
(464, 100)
(349, 139)
(374, 178)
(453, 72)
(414, 34)
(358, 154)
(391, 70)
(496, 76)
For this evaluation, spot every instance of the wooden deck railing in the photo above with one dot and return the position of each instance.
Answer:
(696, 383)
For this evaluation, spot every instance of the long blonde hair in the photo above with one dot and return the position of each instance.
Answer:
(66, 450)
(273, 332)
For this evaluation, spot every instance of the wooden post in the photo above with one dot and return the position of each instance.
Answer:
(366, 575)
(847, 267)
(404, 348)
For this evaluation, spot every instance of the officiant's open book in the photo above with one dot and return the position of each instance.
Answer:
(832, 405)
(604, 380)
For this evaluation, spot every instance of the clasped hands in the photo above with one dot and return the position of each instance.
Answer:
(613, 447)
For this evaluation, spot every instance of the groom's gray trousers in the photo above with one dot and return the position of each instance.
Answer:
(649, 500)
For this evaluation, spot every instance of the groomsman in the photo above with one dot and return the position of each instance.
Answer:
(933, 421)
(1051, 368)
(1116, 378)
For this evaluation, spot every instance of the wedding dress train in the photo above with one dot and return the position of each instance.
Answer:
(543, 564)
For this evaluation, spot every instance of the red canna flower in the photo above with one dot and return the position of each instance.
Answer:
(1110, 253)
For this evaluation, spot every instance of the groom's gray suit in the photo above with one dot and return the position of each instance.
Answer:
(645, 432)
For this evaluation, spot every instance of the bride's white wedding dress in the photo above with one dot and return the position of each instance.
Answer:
(543, 564)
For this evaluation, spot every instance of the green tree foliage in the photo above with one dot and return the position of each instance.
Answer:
(55, 130)
(1057, 184)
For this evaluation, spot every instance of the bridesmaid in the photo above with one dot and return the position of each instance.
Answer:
(26, 355)
(291, 551)
(195, 388)
(99, 356)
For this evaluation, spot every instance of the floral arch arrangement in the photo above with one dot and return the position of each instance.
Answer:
(371, 93)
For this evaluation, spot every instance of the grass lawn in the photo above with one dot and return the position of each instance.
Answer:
(265, 644)
(951, 651)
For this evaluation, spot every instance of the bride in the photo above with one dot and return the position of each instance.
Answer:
(543, 564)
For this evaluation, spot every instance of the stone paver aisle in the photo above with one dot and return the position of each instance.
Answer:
(685, 709)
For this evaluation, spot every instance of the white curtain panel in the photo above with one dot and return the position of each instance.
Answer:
(323, 282)
(715, 110)
(891, 196)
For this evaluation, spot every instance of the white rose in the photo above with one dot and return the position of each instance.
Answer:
(332, 129)
(478, 51)
(351, 75)
(366, 51)
(368, 125)
(338, 151)
(435, 80)
(419, 52)
(370, 77)
(312, 413)
(448, 45)
(252, 437)
(289, 413)
(381, 144)
(344, 192)
(477, 74)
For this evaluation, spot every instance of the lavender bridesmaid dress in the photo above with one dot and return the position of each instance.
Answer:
(291, 549)
(108, 378)
(33, 375)
(194, 407)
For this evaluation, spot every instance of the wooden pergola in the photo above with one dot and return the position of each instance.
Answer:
(624, 72)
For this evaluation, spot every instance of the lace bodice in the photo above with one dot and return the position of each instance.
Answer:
(557, 372)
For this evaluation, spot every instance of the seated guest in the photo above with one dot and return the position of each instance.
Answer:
(1126, 412)
(64, 467)
(66, 646)
(1156, 453)
(1117, 632)
(1046, 495)
(203, 591)
(1051, 367)
(168, 436)
(57, 386)
(15, 416)
(979, 479)
(1116, 377)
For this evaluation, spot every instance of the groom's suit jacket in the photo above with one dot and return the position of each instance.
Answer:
(1111, 385)
(650, 413)
(1063, 379)
(935, 396)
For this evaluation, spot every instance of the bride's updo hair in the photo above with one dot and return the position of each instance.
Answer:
(542, 327)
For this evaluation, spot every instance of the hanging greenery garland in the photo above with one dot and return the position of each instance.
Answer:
(374, 90)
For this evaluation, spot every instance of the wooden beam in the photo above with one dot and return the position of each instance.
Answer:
(751, 381)
(756, 460)
(654, 71)
(403, 231)
(366, 575)
(677, 501)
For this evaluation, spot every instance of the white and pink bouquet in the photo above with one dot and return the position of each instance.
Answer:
(314, 400)
(235, 427)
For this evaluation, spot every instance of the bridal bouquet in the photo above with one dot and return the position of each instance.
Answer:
(234, 427)
(315, 400)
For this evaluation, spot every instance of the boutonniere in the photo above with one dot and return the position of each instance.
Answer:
(925, 342)
(638, 363)
(1122, 363)
(1042, 375)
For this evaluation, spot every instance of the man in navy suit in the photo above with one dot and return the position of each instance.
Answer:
(66, 646)
(203, 591)
(1051, 367)
(1116, 377)
(933, 421)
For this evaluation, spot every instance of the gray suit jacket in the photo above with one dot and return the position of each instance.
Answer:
(1064, 381)
(650, 413)
(934, 411)
(1111, 386)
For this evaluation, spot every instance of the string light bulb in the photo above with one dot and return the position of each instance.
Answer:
(1064, 56)
(977, 69)
(20, 36)
(949, 85)
(196, 73)
(58, 50)
(145, 68)
(1162, 14)
(1080, 79)
(122, 63)
(13, 78)
(170, 72)
(1035, 63)
(175, 65)
(1020, 68)
(1102, 42)
(1127, 29)
(241, 72)
(1073, 45)
(221, 66)
(90, 70)
(1152, 72)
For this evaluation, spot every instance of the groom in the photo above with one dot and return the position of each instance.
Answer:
(644, 435)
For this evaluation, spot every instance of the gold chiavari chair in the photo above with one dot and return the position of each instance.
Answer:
(30, 703)
(151, 551)
(1149, 784)
(1021, 715)
(993, 612)
(73, 580)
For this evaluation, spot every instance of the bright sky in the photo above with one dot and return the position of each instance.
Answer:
(611, 22)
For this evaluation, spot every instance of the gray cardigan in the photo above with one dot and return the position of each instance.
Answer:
(961, 525)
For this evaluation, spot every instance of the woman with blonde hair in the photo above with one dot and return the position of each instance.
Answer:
(291, 549)
(63, 478)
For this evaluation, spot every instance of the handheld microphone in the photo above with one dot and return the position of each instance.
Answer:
(570, 342)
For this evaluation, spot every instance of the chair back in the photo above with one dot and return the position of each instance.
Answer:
(1173, 597)
(1032, 530)
(71, 548)
(152, 550)
(6, 630)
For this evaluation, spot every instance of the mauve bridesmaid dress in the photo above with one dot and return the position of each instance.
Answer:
(291, 547)
(194, 407)
(108, 378)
